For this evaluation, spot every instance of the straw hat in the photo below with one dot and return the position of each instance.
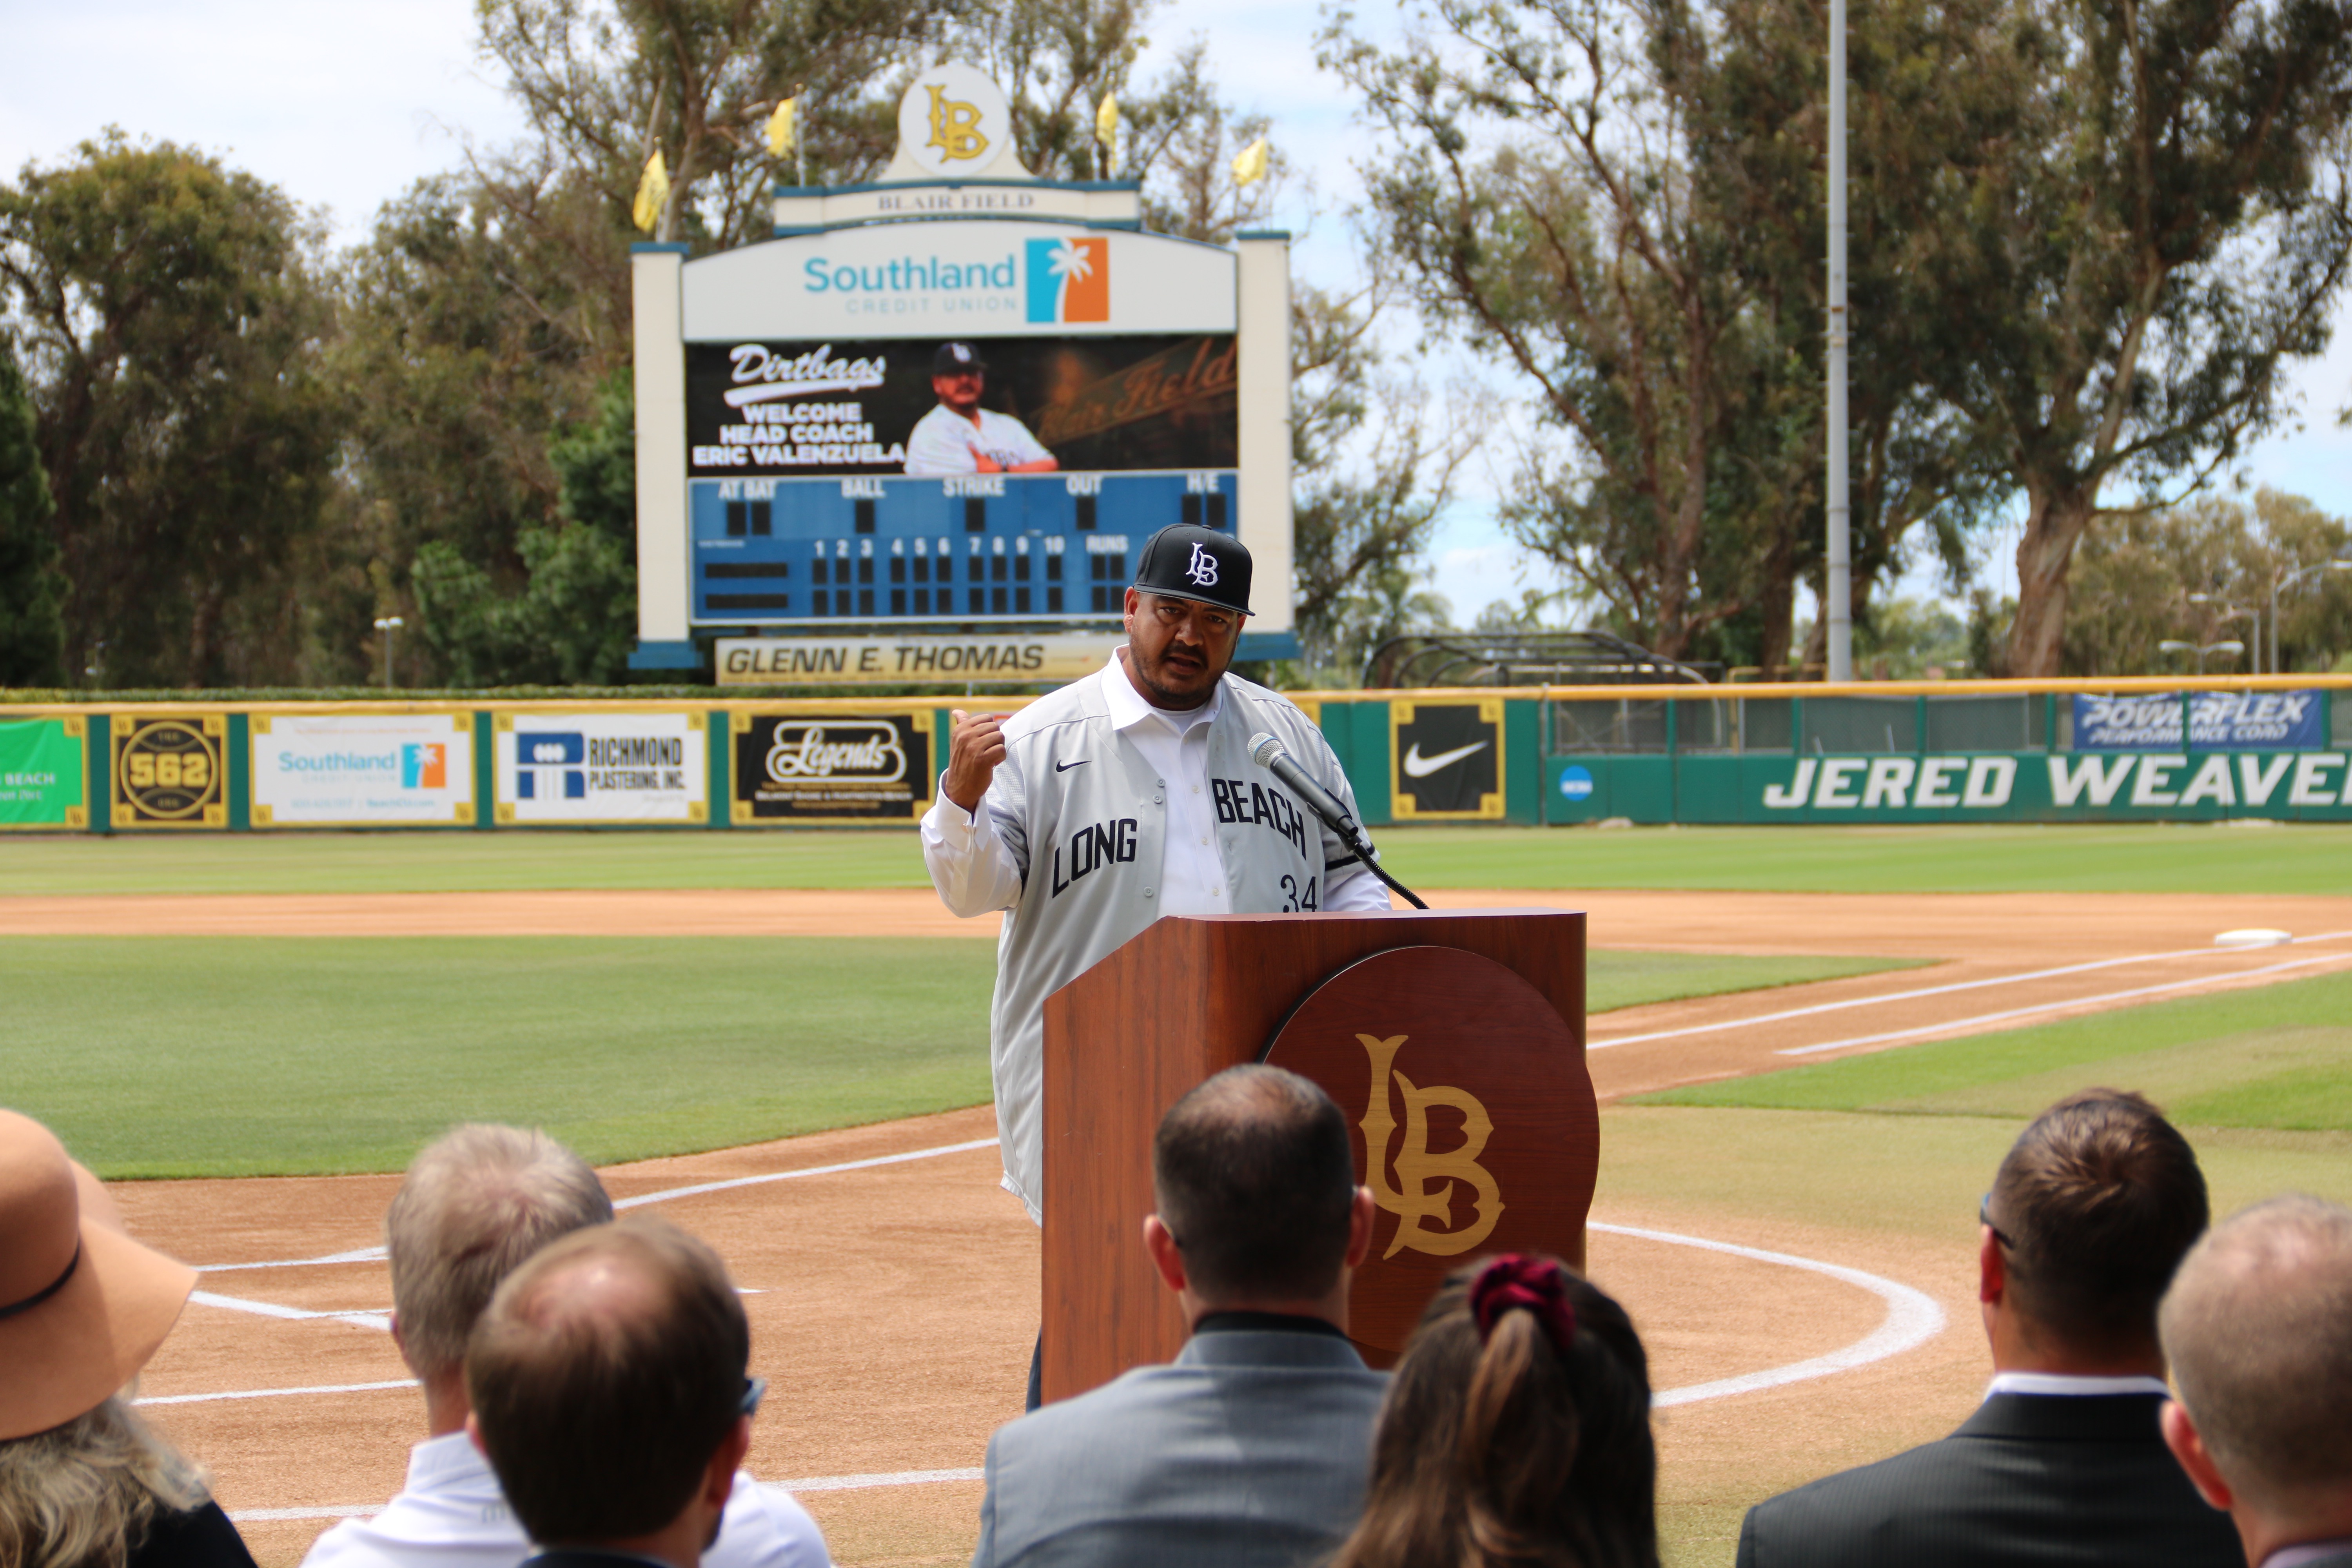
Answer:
(82, 1306)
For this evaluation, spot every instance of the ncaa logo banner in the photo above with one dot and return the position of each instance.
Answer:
(596, 768)
(362, 770)
(837, 767)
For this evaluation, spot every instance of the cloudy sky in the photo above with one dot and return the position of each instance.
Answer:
(344, 105)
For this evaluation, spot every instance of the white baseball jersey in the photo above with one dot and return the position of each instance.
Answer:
(944, 442)
(1085, 829)
(452, 1514)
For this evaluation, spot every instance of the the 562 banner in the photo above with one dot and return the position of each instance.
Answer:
(832, 767)
(168, 770)
(42, 782)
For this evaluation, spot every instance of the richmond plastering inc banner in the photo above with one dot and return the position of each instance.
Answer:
(362, 770)
(2217, 722)
(832, 767)
(580, 768)
(42, 778)
(1095, 404)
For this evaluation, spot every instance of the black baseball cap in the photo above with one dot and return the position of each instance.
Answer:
(957, 359)
(1184, 561)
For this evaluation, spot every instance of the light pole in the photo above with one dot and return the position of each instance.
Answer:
(1837, 611)
(2171, 644)
(2229, 613)
(2288, 580)
(387, 624)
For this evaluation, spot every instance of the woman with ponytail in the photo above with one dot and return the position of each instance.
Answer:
(1516, 1430)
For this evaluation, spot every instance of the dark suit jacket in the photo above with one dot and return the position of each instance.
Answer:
(2027, 1480)
(1251, 1451)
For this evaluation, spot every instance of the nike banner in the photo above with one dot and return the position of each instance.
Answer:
(1447, 759)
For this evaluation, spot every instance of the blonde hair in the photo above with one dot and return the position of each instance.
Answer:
(475, 1203)
(81, 1495)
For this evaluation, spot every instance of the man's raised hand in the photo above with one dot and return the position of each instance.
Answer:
(973, 753)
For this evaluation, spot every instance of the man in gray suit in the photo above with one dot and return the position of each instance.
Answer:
(1251, 1450)
(2258, 1326)
(2063, 1464)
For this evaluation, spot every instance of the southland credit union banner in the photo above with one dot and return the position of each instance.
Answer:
(2095, 786)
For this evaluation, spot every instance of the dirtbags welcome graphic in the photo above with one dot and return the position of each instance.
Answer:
(1069, 279)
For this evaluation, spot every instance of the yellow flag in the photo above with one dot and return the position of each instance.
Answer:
(653, 194)
(1250, 167)
(781, 129)
(1106, 121)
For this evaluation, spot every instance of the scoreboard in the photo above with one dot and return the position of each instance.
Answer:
(981, 547)
(955, 401)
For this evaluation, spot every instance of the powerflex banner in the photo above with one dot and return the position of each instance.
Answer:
(362, 770)
(2142, 786)
(2217, 722)
(43, 779)
(582, 769)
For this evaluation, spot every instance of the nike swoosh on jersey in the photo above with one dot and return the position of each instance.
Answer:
(1065, 767)
(1417, 766)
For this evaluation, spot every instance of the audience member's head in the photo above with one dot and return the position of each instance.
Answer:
(2258, 1330)
(476, 1203)
(608, 1386)
(1516, 1430)
(82, 1308)
(2091, 1212)
(1256, 1181)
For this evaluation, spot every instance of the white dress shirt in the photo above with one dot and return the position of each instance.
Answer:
(2067, 1383)
(944, 442)
(976, 873)
(453, 1514)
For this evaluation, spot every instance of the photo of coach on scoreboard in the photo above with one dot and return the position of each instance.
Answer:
(917, 407)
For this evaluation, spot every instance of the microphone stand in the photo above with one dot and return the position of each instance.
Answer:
(1268, 752)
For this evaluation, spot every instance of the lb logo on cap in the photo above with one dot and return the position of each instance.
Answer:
(1186, 561)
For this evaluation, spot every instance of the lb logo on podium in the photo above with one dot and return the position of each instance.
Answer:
(1474, 1123)
(1411, 1196)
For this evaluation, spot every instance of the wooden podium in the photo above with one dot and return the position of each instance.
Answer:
(1487, 1007)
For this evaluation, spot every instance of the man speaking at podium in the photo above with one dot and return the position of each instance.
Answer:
(1125, 797)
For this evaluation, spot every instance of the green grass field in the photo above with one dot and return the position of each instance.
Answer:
(239, 1055)
(2277, 1058)
(2137, 858)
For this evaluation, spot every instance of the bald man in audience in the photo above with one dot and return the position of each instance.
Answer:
(2258, 1329)
(475, 1205)
(611, 1391)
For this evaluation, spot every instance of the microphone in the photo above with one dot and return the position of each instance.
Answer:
(1267, 752)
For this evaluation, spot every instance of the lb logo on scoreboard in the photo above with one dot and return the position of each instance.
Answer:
(834, 767)
(168, 772)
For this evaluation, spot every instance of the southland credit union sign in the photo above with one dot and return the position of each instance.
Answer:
(951, 404)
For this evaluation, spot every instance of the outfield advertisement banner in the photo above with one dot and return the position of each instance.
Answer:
(362, 770)
(2217, 722)
(832, 767)
(2313, 786)
(168, 770)
(616, 768)
(43, 783)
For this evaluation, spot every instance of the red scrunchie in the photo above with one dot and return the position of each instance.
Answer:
(1515, 1281)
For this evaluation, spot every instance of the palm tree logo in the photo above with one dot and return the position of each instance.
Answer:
(1069, 263)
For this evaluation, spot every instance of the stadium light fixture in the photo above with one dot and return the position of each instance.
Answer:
(388, 624)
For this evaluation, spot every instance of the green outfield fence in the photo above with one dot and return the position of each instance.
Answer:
(1931, 751)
